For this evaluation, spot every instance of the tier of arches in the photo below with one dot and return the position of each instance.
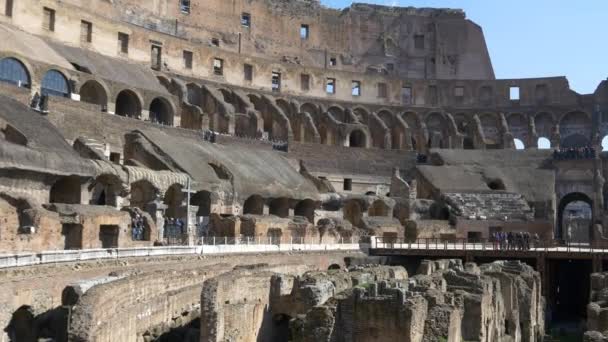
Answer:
(126, 102)
(256, 115)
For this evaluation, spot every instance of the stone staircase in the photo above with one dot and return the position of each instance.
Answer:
(489, 205)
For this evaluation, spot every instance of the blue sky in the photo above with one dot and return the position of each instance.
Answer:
(535, 38)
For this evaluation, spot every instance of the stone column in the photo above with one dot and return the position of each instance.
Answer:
(156, 209)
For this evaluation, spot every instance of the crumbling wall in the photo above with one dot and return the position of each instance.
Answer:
(446, 301)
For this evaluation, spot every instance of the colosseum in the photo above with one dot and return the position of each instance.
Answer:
(277, 170)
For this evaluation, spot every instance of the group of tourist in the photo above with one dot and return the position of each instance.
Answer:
(40, 103)
(514, 241)
(421, 158)
(210, 136)
(137, 227)
(280, 146)
(574, 153)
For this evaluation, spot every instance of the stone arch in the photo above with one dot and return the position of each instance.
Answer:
(306, 208)
(142, 192)
(543, 143)
(106, 190)
(379, 208)
(203, 200)
(519, 145)
(357, 138)
(311, 109)
(94, 92)
(276, 123)
(174, 199)
(128, 104)
(21, 207)
(518, 126)
(490, 125)
(327, 135)
(55, 83)
(279, 207)
(353, 212)
(396, 128)
(66, 190)
(437, 127)
(161, 111)
(194, 94)
(339, 114)
(254, 205)
(14, 71)
(413, 121)
(562, 232)
(544, 123)
(575, 129)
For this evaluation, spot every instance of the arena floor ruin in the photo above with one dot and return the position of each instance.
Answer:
(271, 170)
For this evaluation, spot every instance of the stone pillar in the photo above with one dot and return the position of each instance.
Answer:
(182, 213)
(156, 209)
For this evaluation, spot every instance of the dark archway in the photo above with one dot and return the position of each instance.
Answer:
(161, 112)
(54, 83)
(174, 199)
(66, 190)
(14, 72)
(105, 190)
(353, 213)
(142, 193)
(379, 208)
(202, 199)
(575, 218)
(128, 104)
(357, 139)
(279, 207)
(254, 205)
(306, 208)
(93, 92)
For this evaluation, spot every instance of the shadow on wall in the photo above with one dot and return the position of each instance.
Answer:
(26, 326)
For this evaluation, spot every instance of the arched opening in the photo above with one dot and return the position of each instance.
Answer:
(575, 130)
(105, 190)
(468, 143)
(55, 84)
(142, 193)
(254, 205)
(14, 72)
(281, 330)
(128, 104)
(353, 213)
(496, 184)
(605, 143)
(575, 214)
(174, 199)
(22, 325)
(439, 211)
(357, 139)
(279, 207)
(161, 112)
(379, 208)
(519, 145)
(490, 126)
(194, 94)
(334, 267)
(66, 190)
(306, 208)
(94, 93)
(202, 199)
(21, 209)
(543, 143)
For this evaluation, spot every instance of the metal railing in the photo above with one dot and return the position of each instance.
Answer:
(489, 245)
(271, 240)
